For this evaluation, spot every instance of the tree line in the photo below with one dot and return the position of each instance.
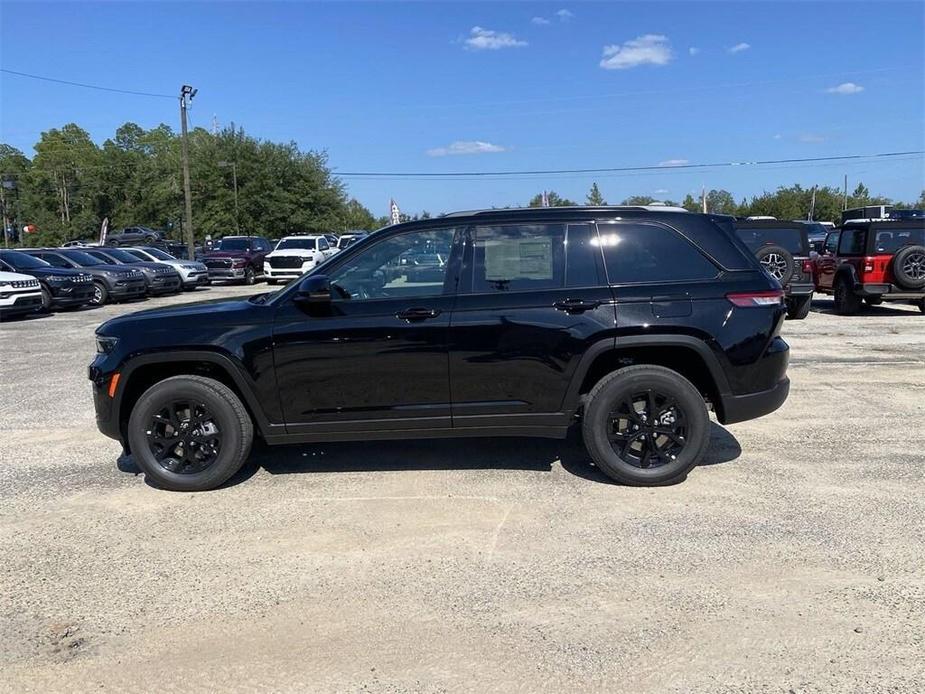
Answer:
(71, 184)
(787, 202)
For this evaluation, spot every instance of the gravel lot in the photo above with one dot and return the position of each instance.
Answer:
(794, 559)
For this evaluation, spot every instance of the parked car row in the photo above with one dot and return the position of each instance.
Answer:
(73, 276)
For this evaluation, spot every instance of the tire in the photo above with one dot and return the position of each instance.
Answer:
(909, 267)
(798, 309)
(46, 300)
(150, 239)
(873, 300)
(607, 423)
(100, 294)
(778, 262)
(847, 303)
(182, 470)
(249, 276)
(112, 242)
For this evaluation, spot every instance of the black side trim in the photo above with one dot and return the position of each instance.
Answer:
(436, 433)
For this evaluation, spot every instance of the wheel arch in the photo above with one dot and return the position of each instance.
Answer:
(847, 272)
(687, 355)
(140, 373)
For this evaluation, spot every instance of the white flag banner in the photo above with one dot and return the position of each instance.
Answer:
(104, 229)
(394, 212)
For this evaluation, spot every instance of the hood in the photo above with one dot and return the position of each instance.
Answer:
(299, 252)
(54, 271)
(144, 264)
(172, 318)
(226, 254)
(14, 277)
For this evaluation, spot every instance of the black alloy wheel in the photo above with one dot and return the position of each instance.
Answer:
(184, 437)
(648, 429)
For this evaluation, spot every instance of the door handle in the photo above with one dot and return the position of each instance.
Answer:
(576, 305)
(417, 314)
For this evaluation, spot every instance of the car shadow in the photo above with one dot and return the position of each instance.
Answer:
(884, 310)
(501, 453)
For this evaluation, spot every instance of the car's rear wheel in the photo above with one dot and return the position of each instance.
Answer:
(798, 309)
(847, 303)
(100, 294)
(645, 426)
(189, 433)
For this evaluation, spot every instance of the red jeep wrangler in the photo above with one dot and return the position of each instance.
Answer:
(873, 262)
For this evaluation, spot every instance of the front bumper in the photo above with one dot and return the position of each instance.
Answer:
(284, 273)
(164, 285)
(75, 295)
(197, 278)
(232, 273)
(104, 406)
(17, 304)
(123, 289)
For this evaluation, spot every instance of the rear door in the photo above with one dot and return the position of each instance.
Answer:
(532, 299)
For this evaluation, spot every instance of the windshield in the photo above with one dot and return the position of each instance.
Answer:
(789, 239)
(296, 243)
(234, 245)
(121, 256)
(815, 228)
(82, 258)
(141, 255)
(157, 253)
(345, 241)
(21, 261)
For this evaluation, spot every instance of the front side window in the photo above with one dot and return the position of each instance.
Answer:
(141, 255)
(635, 253)
(413, 264)
(322, 244)
(518, 257)
(54, 260)
(852, 242)
(831, 242)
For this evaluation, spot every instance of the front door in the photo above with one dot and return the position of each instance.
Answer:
(532, 298)
(376, 358)
(824, 264)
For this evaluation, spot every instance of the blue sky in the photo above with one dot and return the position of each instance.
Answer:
(516, 86)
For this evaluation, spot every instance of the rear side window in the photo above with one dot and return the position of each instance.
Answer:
(518, 257)
(789, 238)
(852, 242)
(892, 240)
(635, 253)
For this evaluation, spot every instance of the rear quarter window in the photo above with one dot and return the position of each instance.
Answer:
(644, 253)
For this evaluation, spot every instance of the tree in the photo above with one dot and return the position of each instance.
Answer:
(638, 200)
(691, 204)
(594, 197)
(14, 166)
(721, 202)
(555, 200)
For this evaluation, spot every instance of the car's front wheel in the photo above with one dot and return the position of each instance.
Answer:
(189, 433)
(100, 294)
(249, 276)
(645, 426)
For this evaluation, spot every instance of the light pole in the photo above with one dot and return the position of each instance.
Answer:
(186, 95)
(234, 176)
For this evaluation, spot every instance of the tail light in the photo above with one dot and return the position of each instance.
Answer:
(868, 264)
(808, 267)
(772, 297)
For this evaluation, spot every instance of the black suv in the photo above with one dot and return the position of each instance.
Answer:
(632, 321)
(783, 250)
(61, 288)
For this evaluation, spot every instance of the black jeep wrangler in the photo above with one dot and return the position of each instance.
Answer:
(783, 249)
(630, 321)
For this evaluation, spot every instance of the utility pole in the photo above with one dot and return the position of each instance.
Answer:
(234, 176)
(186, 95)
(845, 205)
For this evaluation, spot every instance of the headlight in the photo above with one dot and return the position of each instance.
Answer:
(105, 344)
(56, 279)
(5, 284)
(309, 259)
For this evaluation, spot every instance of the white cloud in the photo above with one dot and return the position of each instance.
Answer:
(673, 162)
(649, 49)
(661, 191)
(564, 15)
(811, 137)
(693, 50)
(466, 147)
(778, 136)
(846, 88)
(487, 40)
(540, 21)
(739, 47)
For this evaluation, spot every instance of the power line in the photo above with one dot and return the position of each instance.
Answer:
(613, 169)
(86, 86)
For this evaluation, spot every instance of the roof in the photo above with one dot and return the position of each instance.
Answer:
(559, 209)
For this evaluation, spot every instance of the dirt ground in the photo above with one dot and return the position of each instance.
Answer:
(793, 559)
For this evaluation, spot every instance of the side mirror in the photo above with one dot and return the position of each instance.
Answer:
(315, 290)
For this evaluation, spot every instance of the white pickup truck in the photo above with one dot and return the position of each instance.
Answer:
(294, 256)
